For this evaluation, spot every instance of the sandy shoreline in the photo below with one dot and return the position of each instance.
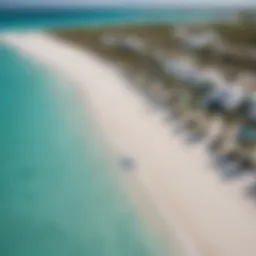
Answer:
(209, 216)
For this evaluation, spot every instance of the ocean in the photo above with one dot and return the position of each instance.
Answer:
(34, 19)
(58, 193)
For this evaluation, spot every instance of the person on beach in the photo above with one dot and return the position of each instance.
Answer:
(127, 163)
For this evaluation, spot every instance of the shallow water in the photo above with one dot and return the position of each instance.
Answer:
(57, 193)
(57, 190)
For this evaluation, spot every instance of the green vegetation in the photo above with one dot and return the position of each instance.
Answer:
(156, 35)
(240, 34)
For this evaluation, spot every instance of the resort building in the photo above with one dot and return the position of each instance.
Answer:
(197, 38)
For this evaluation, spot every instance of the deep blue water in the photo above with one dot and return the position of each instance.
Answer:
(44, 19)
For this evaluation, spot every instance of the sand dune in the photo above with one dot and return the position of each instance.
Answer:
(208, 216)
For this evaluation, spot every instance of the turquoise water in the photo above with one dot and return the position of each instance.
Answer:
(57, 193)
(38, 19)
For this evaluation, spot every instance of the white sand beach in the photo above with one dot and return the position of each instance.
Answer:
(208, 216)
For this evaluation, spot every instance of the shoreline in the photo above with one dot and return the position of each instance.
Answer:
(205, 214)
